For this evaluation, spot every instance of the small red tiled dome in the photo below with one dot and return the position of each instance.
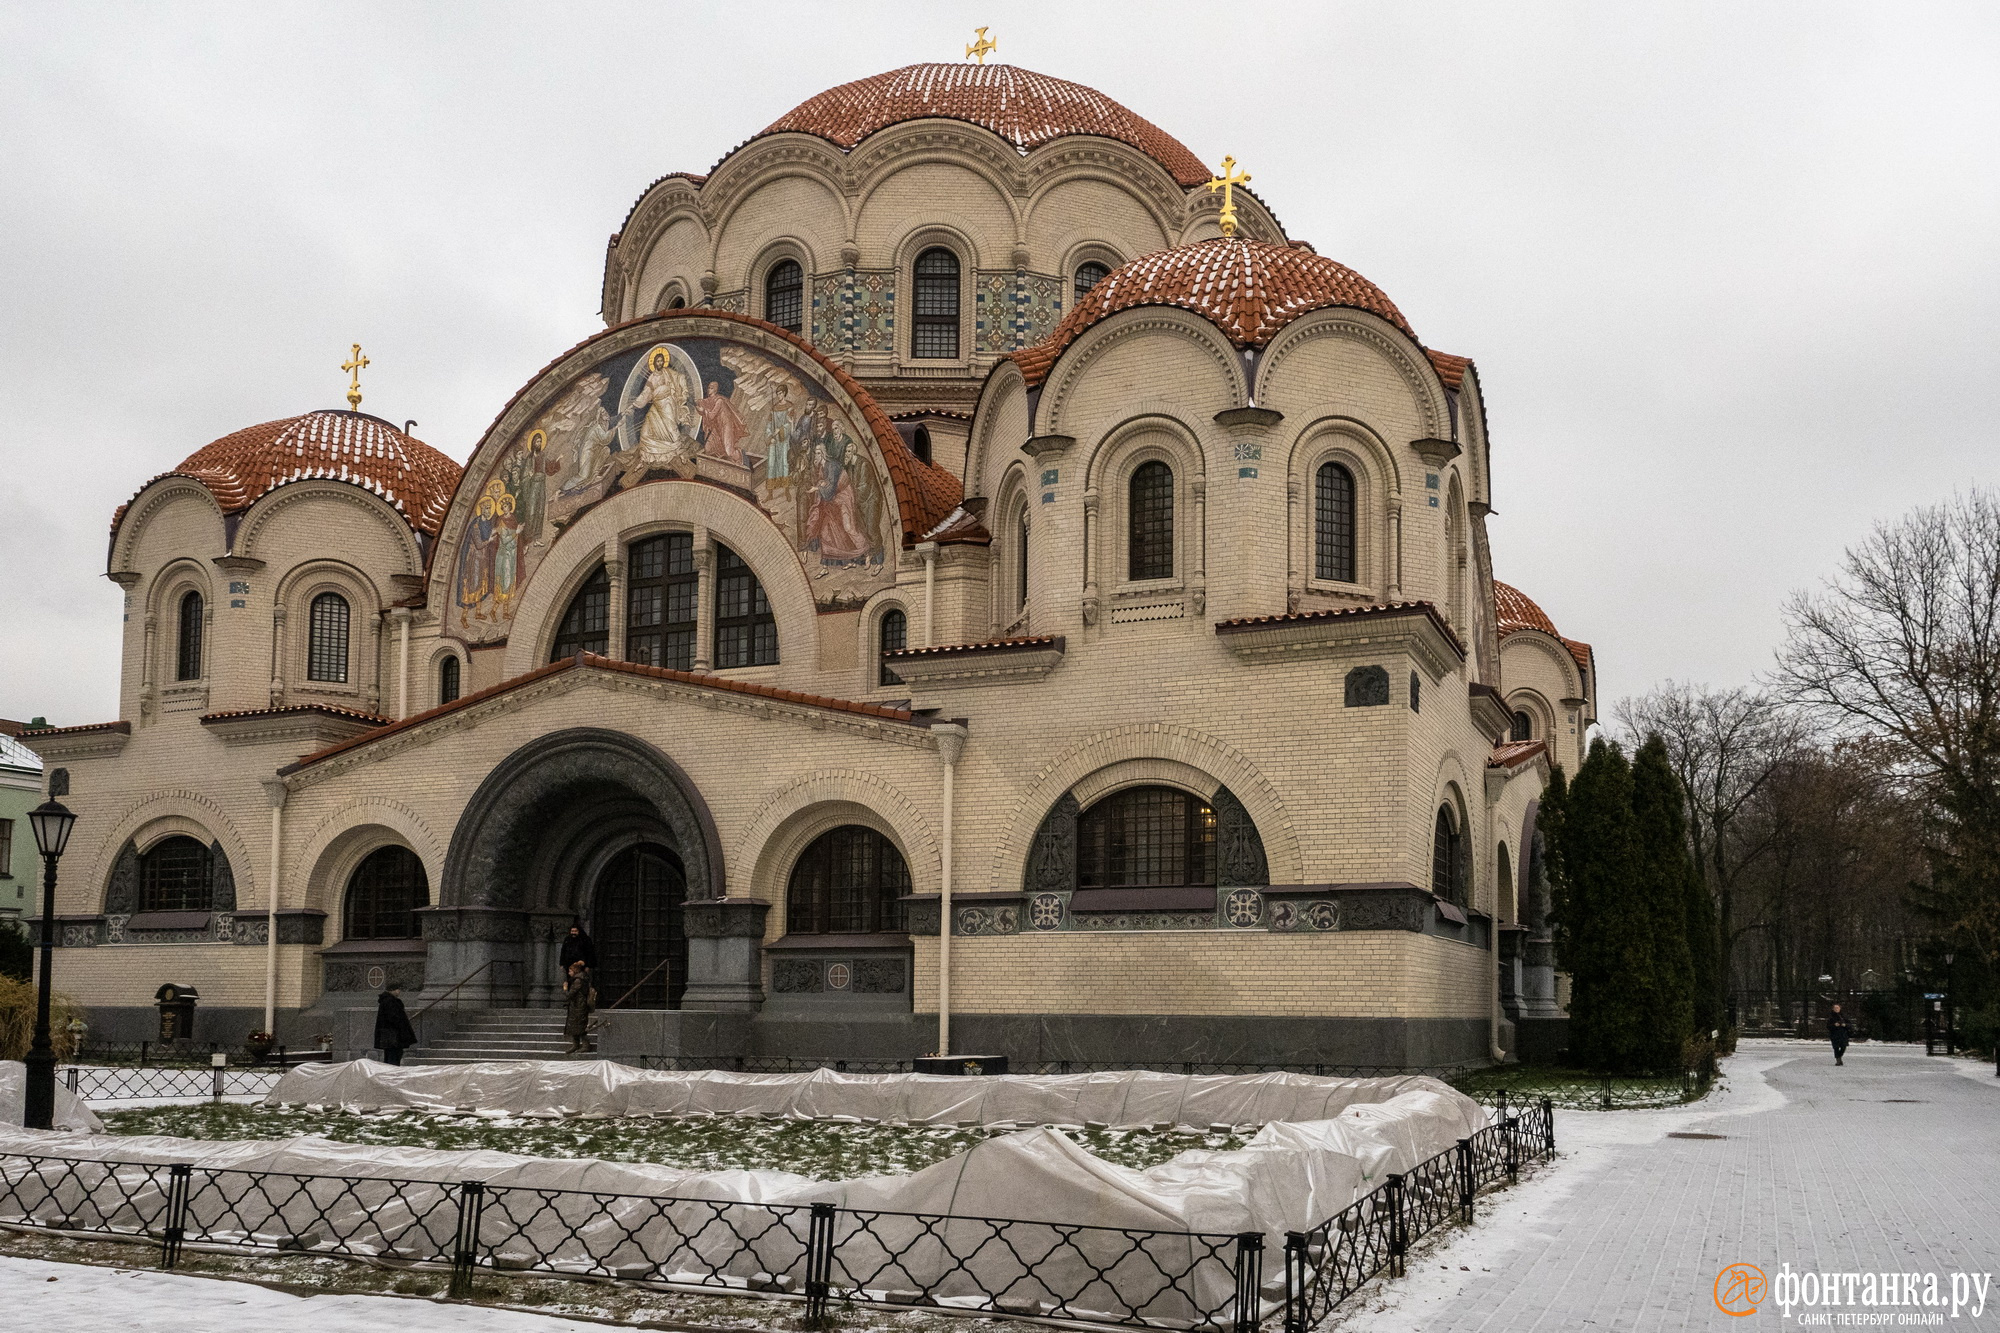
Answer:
(1248, 289)
(1025, 108)
(242, 468)
(1514, 610)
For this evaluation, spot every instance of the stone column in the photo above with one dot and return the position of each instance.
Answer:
(704, 601)
(725, 939)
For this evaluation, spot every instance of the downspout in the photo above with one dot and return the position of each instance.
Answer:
(275, 789)
(1495, 1014)
(950, 745)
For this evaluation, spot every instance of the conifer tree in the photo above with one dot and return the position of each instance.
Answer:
(1660, 901)
(1604, 929)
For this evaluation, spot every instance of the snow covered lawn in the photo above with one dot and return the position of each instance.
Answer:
(821, 1149)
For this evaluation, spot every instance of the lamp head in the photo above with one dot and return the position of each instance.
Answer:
(52, 822)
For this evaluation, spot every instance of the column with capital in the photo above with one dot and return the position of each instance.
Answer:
(276, 792)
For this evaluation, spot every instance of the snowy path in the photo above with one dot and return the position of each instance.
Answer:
(1891, 1163)
(72, 1298)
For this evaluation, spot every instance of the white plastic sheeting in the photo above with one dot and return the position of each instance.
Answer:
(1325, 1142)
(71, 1113)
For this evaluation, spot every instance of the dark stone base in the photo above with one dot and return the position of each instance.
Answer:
(225, 1025)
(1541, 1041)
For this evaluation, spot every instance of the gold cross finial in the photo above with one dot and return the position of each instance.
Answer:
(1227, 183)
(356, 363)
(980, 49)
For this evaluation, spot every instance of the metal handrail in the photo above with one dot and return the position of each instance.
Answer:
(635, 987)
(454, 988)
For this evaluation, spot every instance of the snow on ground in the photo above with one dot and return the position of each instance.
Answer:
(72, 1298)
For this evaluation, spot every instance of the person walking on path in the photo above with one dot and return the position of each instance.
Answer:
(393, 1032)
(577, 945)
(1839, 1030)
(579, 999)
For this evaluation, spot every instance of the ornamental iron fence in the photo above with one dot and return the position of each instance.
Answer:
(99, 1083)
(812, 1252)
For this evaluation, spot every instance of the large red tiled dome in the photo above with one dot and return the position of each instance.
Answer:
(1025, 108)
(242, 468)
(1248, 289)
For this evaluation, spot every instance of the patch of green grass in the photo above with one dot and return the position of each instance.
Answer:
(820, 1149)
(1579, 1089)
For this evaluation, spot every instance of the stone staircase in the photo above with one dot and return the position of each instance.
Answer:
(498, 1034)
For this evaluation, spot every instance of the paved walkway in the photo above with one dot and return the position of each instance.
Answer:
(1891, 1163)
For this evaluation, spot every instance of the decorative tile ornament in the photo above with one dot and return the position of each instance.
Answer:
(1045, 911)
(839, 976)
(1243, 908)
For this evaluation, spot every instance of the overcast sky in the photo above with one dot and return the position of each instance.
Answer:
(1730, 271)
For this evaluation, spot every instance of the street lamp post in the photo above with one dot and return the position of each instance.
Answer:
(52, 822)
(1950, 1019)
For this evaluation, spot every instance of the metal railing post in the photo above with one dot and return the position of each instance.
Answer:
(1399, 1230)
(73, 1078)
(465, 1246)
(1295, 1281)
(1607, 1092)
(1249, 1279)
(819, 1264)
(1511, 1126)
(178, 1177)
(1466, 1185)
(1548, 1125)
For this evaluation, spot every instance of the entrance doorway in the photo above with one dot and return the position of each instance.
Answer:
(636, 920)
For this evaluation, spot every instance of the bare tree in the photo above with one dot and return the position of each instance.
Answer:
(1724, 746)
(1904, 644)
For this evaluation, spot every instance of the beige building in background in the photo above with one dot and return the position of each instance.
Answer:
(948, 510)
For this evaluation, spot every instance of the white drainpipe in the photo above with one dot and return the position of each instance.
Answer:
(950, 744)
(276, 790)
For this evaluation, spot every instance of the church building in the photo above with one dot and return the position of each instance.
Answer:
(987, 589)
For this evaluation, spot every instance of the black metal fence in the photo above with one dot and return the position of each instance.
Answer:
(1586, 1092)
(97, 1083)
(818, 1253)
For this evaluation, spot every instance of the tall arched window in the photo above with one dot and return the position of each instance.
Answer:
(1448, 858)
(895, 634)
(1150, 520)
(746, 633)
(1021, 563)
(383, 895)
(1144, 837)
(846, 883)
(326, 639)
(448, 679)
(677, 302)
(1088, 275)
(177, 874)
(661, 592)
(920, 443)
(785, 295)
(1333, 523)
(934, 312)
(187, 660)
(586, 625)
(1523, 728)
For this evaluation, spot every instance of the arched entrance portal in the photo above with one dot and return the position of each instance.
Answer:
(637, 919)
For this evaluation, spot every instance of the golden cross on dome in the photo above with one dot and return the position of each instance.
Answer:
(983, 47)
(1227, 183)
(356, 363)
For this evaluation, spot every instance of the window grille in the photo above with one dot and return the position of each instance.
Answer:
(1088, 275)
(1333, 523)
(784, 295)
(846, 883)
(934, 311)
(1151, 521)
(586, 625)
(1146, 836)
(383, 895)
(176, 875)
(448, 685)
(187, 665)
(661, 592)
(895, 635)
(1523, 728)
(746, 633)
(326, 639)
(1448, 858)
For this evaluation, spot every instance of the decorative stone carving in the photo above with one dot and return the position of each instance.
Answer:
(1242, 908)
(880, 976)
(1367, 687)
(121, 897)
(797, 976)
(1052, 855)
(222, 888)
(1239, 851)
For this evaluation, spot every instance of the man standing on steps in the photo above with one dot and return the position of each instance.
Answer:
(577, 946)
(1839, 1029)
(393, 1032)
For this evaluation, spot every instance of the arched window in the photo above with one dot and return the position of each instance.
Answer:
(1021, 563)
(934, 312)
(1150, 520)
(895, 634)
(326, 639)
(1448, 858)
(448, 683)
(1088, 275)
(1523, 728)
(383, 895)
(746, 633)
(586, 625)
(846, 883)
(187, 661)
(177, 874)
(1146, 836)
(677, 302)
(1416, 693)
(1333, 523)
(920, 443)
(784, 295)
(661, 593)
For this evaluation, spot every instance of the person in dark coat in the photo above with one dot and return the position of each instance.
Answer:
(393, 1032)
(577, 945)
(1839, 1030)
(579, 999)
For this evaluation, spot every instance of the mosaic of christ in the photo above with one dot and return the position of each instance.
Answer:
(705, 408)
